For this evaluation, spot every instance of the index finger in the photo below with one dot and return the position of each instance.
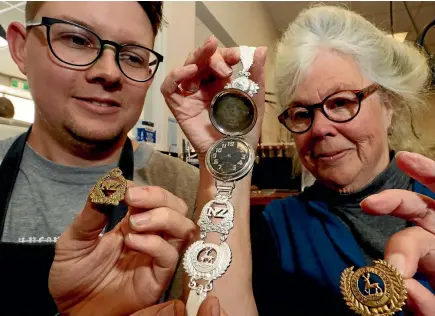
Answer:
(417, 167)
(405, 204)
(211, 61)
(150, 197)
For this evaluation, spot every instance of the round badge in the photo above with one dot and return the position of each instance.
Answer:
(207, 261)
(374, 290)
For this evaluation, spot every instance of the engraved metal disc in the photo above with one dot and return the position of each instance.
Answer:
(110, 189)
(233, 112)
(207, 261)
(213, 210)
(374, 290)
(244, 83)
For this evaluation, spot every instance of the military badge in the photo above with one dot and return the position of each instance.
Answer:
(110, 189)
(374, 290)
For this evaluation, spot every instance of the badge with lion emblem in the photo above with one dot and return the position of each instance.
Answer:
(374, 290)
(110, 189)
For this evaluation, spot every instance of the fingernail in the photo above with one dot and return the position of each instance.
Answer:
(190, 67)
(136, 194)
(209, 40)
(193, 86)
(139, 220)
(398, 153)
(398, 261)
(215, 309)
(263, 50)
(131, 237)
(372, 200)
(224, 68)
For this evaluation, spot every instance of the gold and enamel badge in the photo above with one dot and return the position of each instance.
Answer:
(374, 290)
(110, 189)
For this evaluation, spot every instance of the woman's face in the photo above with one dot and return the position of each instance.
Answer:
(344, 156)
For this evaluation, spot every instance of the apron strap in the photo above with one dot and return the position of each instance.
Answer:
(8, 174)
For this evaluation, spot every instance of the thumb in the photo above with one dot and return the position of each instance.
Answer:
(257, 75)
(257, 68)
(172, 308)
(88, 223)
(91, 220)
(211, 307)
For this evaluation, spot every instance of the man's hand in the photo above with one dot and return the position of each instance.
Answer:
(126, 269)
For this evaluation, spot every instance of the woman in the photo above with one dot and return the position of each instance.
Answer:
(347, 89)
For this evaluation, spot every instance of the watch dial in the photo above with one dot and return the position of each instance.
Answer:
(229, 156)
(233, 112)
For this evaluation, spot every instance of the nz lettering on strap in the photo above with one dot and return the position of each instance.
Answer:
(217, 212)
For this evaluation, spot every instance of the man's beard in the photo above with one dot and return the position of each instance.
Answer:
(93, 148)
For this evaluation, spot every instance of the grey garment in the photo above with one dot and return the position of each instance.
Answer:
(47, 196)
(371, 232)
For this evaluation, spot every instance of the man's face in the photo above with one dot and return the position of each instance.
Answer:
(73, 100)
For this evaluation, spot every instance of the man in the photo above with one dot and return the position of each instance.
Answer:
(89, 87)
(99, 276)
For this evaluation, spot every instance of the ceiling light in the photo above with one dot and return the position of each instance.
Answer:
(3, 41)
(399, 36)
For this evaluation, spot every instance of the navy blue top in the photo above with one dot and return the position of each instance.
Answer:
(299, 251)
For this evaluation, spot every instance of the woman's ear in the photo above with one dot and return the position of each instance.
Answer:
(387, 102)
(16, 37)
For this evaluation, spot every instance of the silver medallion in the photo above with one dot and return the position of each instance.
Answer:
(207, 261)
(244, 83)
(223, 210)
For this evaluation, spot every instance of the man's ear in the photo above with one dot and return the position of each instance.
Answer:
(16, 37)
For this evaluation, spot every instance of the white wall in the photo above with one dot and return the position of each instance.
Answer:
(249, 23)
(175, 42)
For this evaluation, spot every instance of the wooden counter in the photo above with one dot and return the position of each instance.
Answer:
(264, 197)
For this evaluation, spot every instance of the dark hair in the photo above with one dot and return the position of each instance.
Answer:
(6, 108)
(153, 9)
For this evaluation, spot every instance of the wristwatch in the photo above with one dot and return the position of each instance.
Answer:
(233, 112)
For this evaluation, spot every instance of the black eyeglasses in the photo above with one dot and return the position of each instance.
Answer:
(75, 45)
(338, 107)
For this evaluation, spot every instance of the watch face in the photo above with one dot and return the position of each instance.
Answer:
(233, 112)
(230, 159)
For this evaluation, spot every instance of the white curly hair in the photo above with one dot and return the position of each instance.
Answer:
(399, 68)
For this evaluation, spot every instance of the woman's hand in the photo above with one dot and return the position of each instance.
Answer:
(413, 248)
(206, 71)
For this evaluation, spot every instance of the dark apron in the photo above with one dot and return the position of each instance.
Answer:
(24, 268)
